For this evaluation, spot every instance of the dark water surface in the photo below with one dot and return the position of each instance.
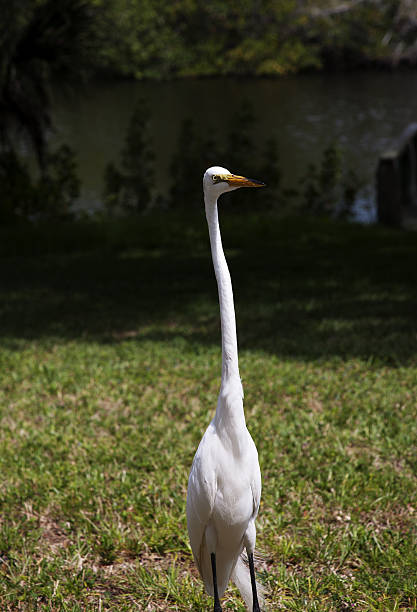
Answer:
(362, 112)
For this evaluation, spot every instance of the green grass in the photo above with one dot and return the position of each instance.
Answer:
(109, 372)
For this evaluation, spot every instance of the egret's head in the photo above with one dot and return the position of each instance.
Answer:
(217, 180)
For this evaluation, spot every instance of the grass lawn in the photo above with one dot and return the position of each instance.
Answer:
(109, 373)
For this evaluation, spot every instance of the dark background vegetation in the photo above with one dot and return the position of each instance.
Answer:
(58, 43)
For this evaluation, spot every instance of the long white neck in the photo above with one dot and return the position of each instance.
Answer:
(230, 365)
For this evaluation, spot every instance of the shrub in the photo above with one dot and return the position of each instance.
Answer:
(132, 188)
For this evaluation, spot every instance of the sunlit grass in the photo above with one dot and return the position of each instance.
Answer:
(109, 372)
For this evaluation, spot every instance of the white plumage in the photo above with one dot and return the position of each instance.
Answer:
(224, 486)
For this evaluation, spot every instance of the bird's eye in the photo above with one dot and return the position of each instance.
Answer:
(217, 178)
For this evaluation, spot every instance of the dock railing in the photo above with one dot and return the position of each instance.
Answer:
(397, 181)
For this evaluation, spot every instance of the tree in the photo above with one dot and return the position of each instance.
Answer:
(131, 188)
(40, 41)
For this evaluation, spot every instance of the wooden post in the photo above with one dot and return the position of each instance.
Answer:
(389, 189)
(397, 180)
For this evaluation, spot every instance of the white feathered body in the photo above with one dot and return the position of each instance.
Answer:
(224, 490)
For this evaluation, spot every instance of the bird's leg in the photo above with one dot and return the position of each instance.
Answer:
(217, 606)
(256, 607)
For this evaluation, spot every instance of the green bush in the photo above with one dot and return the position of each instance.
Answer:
(132, 187)
(330, 188)
(50, 195)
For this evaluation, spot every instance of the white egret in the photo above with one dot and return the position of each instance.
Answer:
(224, 487)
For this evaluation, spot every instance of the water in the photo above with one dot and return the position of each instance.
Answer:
(363, 112)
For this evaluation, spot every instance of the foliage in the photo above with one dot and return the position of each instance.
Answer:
(311, 194)
(321, 186)
(50, 195)
(131, 188)
(110, 366)
(332, 187)
(59, 185)
(193, 154)
(16, 187)
(155, 39)
(39, 41)
(240, 147)
(240, 152)
(45, 41)
(330, 173)
(271, 172)
(351, 184)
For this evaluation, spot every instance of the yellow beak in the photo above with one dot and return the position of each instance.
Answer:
(235, 180)
(241, 181)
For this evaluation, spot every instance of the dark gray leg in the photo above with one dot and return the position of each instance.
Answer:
(256, 607)
(217, 606)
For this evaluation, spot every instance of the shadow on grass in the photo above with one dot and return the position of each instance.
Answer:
(303, 288)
